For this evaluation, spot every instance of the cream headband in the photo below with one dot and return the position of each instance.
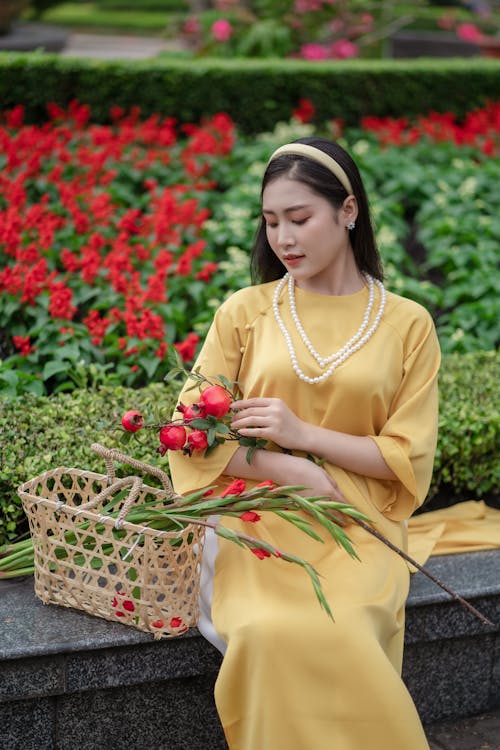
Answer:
(302, 149)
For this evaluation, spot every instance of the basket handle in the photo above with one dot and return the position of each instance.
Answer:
(112, 454)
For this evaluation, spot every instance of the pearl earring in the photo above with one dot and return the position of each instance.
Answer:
(351, 225)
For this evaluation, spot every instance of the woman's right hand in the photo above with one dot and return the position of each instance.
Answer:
(284, 469)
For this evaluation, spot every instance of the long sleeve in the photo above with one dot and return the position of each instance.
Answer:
(220, 355)
(408, 439)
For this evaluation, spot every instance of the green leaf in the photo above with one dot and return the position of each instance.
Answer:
(54, 367)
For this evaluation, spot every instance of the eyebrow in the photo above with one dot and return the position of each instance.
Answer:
(287, 210)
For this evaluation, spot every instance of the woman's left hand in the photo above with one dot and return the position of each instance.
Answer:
(269, 419)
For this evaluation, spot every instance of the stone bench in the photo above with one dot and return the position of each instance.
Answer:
(69, 681)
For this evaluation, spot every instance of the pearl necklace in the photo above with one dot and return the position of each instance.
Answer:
(350, 347)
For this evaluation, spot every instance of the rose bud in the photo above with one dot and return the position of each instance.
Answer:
(197, 441)
(173, 437)
(132, 421)
(216, 401)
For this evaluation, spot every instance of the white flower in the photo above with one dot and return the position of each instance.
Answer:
(386, 237)
(361, 147)
(457, 335)
(468, 187)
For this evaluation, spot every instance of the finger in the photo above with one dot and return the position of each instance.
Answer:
(248, 403)
(249, 414)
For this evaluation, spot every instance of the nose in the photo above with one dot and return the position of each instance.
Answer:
(285, 235)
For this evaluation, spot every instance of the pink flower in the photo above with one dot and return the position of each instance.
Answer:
(342, 49)
(221, 30)
(313, 51)
(469, 33)
(191, 26)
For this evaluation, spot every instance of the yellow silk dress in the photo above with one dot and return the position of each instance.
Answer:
(291, 679)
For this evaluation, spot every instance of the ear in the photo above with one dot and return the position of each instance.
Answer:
(349, 210)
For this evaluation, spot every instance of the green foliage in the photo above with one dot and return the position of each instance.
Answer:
(255, 93)
(467, 460)
(92, 15)
(40, 433)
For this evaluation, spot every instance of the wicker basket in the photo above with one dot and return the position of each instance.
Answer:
(110, 567)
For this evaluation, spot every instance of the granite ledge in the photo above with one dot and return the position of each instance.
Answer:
(30, 629)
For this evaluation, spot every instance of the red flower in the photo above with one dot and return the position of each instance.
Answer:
(236, 487)
(260, 553)
(187, 348)
(23, 345)
(265, 483)
(305, 111)
(250, 515)
(158, 624)
(175, 622)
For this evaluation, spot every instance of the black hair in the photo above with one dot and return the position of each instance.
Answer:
(264, 264)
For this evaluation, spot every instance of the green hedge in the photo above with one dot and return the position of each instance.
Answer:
(37, 434)
(256, 93)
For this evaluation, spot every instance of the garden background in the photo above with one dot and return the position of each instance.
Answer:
(130, 193)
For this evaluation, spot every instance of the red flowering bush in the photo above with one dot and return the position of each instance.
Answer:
(118, 241)
(101, 247)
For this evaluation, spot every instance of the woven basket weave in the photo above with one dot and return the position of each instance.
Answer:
(110, 567)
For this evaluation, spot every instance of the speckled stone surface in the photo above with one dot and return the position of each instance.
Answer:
(69, 680)
(28, 725)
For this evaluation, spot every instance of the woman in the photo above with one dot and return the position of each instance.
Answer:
(332, 365)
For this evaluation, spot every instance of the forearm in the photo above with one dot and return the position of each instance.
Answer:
(359, 454)
(281, 468)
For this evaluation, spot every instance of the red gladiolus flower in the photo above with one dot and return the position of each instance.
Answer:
(132, 421)
(216, 401)
(158, 624)
(128, 605)
(260, 553)
(236, 487)
(175, 622)
(265, 483)
(250, 515)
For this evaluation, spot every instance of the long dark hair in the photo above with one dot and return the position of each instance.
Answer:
(264, 264)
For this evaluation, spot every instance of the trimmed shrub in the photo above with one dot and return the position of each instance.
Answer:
(255, 93)
(38, 434)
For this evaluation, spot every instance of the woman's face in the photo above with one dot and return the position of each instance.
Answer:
(307, 234)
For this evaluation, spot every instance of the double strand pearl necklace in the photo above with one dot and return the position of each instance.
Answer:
(350, 347)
